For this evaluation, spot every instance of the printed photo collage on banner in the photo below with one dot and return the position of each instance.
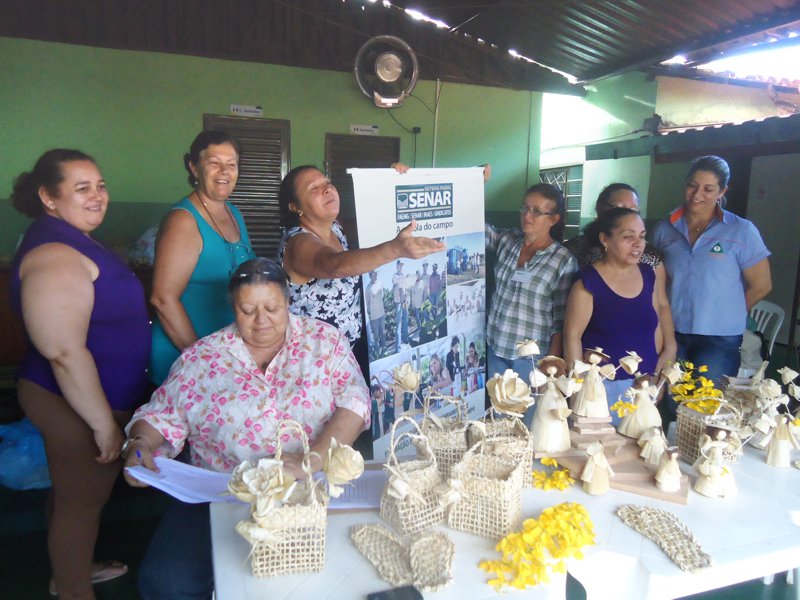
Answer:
(429, 312)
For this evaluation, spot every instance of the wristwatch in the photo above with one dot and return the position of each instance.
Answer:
(126, 445)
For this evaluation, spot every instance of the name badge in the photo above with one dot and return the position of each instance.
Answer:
(522, 276)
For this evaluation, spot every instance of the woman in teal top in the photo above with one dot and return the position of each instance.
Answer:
(200, 243)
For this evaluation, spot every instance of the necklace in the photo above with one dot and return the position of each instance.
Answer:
(214, 222)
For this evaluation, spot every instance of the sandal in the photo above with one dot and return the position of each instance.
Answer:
(105, 571)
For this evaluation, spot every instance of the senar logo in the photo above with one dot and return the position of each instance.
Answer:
(423, 202)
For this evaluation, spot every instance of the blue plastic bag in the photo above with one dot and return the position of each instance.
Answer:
(23, 464)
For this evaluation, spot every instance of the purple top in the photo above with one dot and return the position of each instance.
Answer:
(119, 328)
(621, 324)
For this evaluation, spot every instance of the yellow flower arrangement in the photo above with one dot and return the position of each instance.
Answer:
(696, 392)
(541, 547)
(559, 479)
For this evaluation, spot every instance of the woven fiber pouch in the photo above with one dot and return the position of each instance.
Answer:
(426, 563)
(446, 435)
(506, 436)
(410, 502)
(297, 527)
(669, 532)
(490, 490)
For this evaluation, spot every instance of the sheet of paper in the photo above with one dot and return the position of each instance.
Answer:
(185, 482)
(194, 485)
(362, 494)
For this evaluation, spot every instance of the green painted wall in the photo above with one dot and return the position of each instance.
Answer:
(137, 112)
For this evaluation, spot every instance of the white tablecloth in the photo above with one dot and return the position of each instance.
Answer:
(754, 534)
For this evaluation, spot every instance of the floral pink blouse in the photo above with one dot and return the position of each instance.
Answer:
(218, 399)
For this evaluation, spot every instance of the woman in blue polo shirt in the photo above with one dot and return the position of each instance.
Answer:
(717, 269)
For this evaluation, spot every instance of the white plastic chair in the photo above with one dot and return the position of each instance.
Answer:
(769, 318)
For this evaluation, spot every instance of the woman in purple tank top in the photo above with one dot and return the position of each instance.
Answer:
(614, 306)
(85, 368)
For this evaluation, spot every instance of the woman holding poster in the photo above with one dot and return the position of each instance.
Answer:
(323, 271)
(533, 275)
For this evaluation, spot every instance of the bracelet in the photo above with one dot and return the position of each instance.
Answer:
(126, 446)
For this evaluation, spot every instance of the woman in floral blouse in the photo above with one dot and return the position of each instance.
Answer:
(226, 396)
(323, 272)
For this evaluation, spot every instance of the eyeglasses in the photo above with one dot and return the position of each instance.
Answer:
(533, 211)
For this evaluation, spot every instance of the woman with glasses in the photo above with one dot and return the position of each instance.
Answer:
(717, 268)
(533, 273)
(225, 397)
(200, 243)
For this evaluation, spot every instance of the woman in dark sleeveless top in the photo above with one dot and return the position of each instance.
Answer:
(85, 369)
(613, 305)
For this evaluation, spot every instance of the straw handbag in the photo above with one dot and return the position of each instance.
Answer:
(692, 425)
(296, 529)
(410, 502)
(486, 493)
(446, 435)
(506, 436)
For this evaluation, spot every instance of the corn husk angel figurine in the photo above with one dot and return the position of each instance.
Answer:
(550, 429)
(597, 472)
(653, 445)
(769, 396)
(714, 479)
(668, 475)
(782, 441)
(591, 399)
(646, 415)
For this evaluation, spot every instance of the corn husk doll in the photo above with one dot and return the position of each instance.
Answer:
(591, 399)
(779, 453)
(653, 444)
(646, 414)
(550, 429)
(714, 479)
(668, 476)
(597, 472)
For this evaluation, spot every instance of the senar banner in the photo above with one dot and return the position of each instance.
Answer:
(429, 312)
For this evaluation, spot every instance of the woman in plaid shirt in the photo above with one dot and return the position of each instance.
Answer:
(533, 274)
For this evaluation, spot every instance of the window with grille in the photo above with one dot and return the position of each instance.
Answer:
(570, 181)
(263, 162)
(344, 151)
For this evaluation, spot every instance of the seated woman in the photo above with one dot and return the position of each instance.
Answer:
(225, 397)
(614, 304)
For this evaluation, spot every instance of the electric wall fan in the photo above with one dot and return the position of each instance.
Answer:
(386, 70)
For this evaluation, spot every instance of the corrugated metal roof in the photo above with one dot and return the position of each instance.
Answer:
(588, 39)
(596, 38)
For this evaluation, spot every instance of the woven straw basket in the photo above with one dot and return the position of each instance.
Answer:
(692, 425)
(418, 509)
(446, 435)
(298, 526)
(491, 494)
(507, 436)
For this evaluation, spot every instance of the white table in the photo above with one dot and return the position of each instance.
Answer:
(757, 533)
(754, 534)
(347, 574)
